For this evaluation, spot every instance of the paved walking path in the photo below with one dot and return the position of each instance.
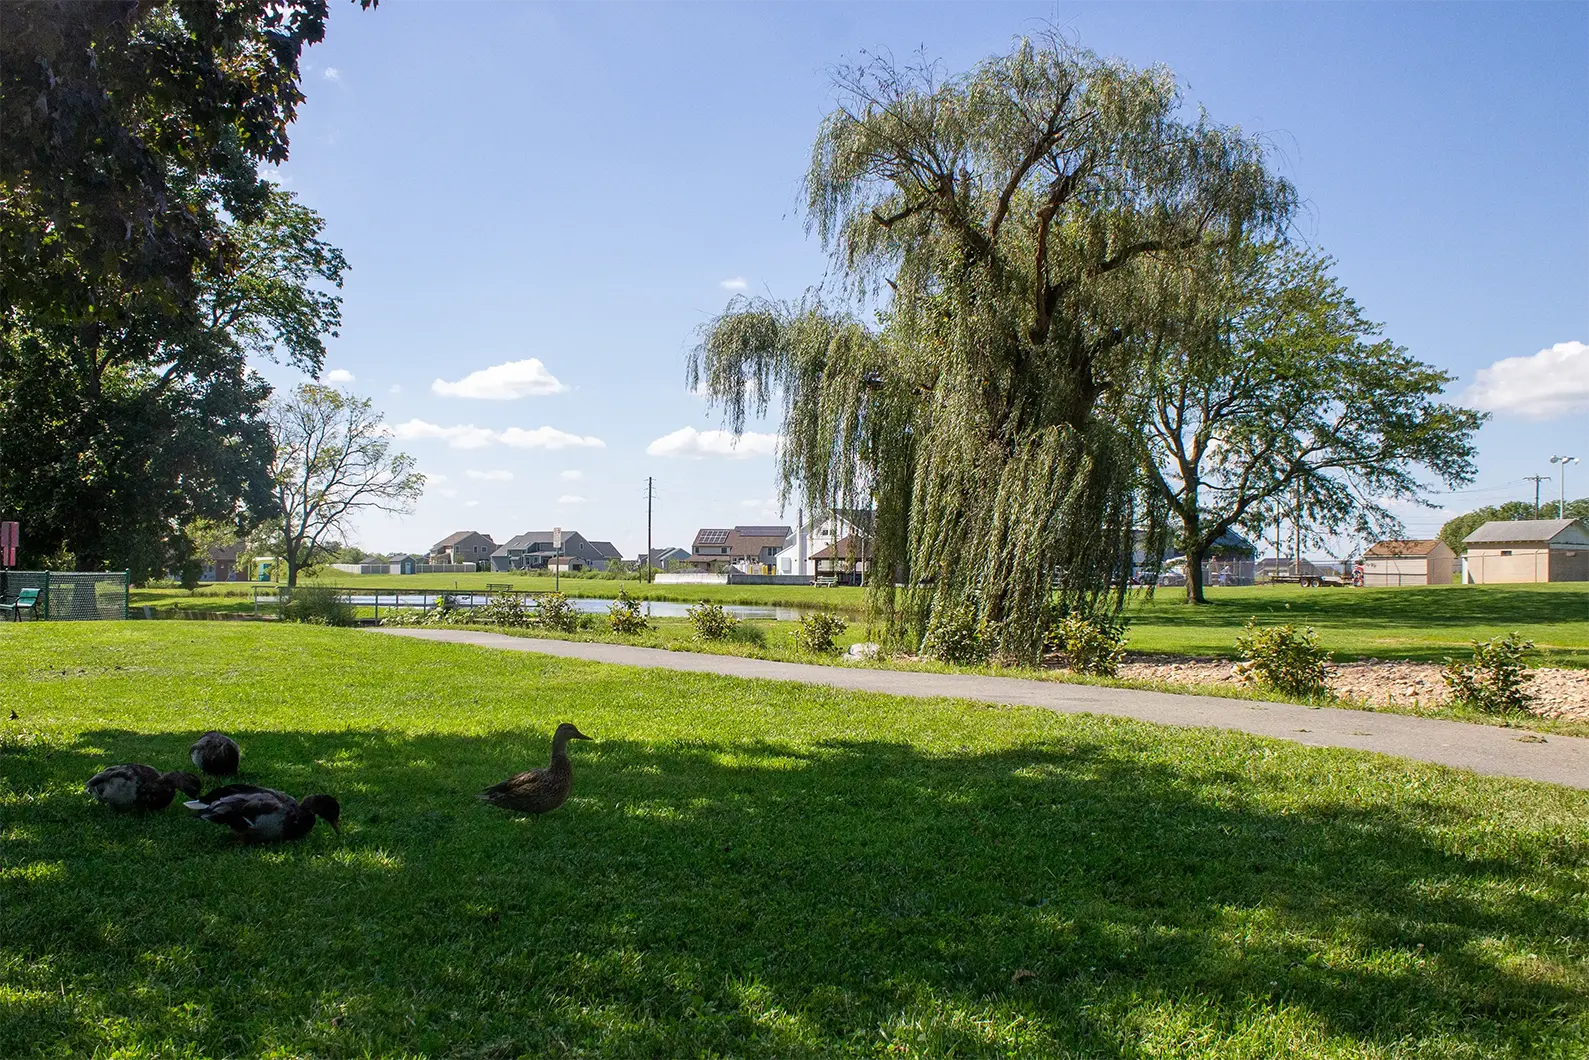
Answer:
(1481, 748)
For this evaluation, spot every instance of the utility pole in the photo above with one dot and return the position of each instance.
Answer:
(651, 491)
(1536, 480)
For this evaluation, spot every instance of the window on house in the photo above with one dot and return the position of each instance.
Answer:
(1506, 552)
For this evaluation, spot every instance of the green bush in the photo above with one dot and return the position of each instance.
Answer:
(1090, 644)
(555, 611)
(711, 622)
(959, 637)
(504, 609)
(1496, 681)
(626, 615)
(817, 632)
(315, 605)
(1284, 659)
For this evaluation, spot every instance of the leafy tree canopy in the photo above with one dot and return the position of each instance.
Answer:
(1019, 224)
(1266, 389)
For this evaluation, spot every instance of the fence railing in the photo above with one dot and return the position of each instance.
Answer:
(71, 596)
(394, 598)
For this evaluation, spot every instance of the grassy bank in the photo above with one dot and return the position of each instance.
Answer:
(747, 869)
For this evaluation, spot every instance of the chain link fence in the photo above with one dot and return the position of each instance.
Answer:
(69, 595)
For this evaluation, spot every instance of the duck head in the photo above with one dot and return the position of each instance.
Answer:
(186, 783)
(567, 731)
(324, 807)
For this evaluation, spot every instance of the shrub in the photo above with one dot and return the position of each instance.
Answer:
(626, 616)
(504, 609)
(556, 612)
(817, 632)
(711, 622)
(315, 605)
(1284, 659)
(1090, 644)
(958, 638)
(1496, 681)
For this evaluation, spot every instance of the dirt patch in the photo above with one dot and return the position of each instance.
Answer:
(1557, 693)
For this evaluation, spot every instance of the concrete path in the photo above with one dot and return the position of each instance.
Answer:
(1481, 748)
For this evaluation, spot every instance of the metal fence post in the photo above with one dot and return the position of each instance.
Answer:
(46, 596)
(126, 593)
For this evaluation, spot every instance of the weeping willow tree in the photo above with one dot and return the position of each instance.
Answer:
(1015, 229)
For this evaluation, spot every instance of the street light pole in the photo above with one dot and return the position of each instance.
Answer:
(1561, 509)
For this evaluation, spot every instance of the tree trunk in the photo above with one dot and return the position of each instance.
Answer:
(292, 570)
(1194, 572)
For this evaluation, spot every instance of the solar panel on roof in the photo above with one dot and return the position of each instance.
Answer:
(712, 537)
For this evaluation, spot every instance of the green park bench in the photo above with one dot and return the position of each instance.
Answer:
(27, 600)
(498, 587)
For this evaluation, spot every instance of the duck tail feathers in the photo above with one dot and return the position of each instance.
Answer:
(195, 804)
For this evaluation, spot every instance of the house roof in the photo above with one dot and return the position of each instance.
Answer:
(605, 550)
(572, 539)
(847, 547)
(452, 539)
(1522, 530)
(1397, 547)
(712, 536)
(780, 532)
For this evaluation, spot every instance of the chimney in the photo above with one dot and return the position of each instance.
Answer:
(800, 541)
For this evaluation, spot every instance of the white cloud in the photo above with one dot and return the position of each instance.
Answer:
(570, 475)
(395, 388)
(338, 375)
(735, 284)
(332, 74)
(449, 494)
(435, 479)
(687, 441)
(548, 438)
(471, 504)
(468, 436)
(459, 437)
(503, 382)
(570, 498)
(490, 476)
(1553, 382)
(275, 175)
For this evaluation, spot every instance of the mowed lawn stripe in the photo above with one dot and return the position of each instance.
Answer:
(746, 869)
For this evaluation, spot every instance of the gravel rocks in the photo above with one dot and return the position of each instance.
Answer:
(1557, 693)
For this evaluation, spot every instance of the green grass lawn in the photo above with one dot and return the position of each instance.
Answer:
(1426, 623)
(746, 869)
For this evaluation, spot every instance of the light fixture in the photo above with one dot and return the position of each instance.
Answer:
(1561, 508)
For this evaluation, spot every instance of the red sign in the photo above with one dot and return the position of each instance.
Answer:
(10, 537)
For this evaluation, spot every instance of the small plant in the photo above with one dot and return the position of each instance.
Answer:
(958, 638)
(1496, 681)
(504, 609)
(817, 632)
(557, 612)
(1284, 659)
(711, 622)
(316, 605)
(1090, 644)
(626, 616)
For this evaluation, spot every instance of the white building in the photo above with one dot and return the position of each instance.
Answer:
(811, 536)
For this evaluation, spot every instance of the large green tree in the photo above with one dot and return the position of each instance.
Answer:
(113, 442)
(142, 258)
(1017, 224)
(1265, 387)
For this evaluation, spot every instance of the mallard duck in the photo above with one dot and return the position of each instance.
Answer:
(200, 802)
(264, 815)
(140, 787)
(540, 790)
(216, 754)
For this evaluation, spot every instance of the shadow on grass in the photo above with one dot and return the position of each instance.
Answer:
(750, 898)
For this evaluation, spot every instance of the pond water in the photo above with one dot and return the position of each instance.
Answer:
(588, 606)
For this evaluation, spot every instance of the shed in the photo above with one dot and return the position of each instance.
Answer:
(1527, 550)
(1409, 562)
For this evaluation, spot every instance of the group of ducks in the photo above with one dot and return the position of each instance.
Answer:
(264, 815)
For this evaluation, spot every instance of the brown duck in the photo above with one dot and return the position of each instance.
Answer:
(539, 790)
(140, 787)
(216, 754)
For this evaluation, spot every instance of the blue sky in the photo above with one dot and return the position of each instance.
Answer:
(585, 185)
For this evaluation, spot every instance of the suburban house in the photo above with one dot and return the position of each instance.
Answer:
(1411, 562)
(661, 558)
(1230, 560)
(811, 536)
(534, 551)
(845, 561)
(1527, 550)
(220, 565)
(752, 549)
(465, 546)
